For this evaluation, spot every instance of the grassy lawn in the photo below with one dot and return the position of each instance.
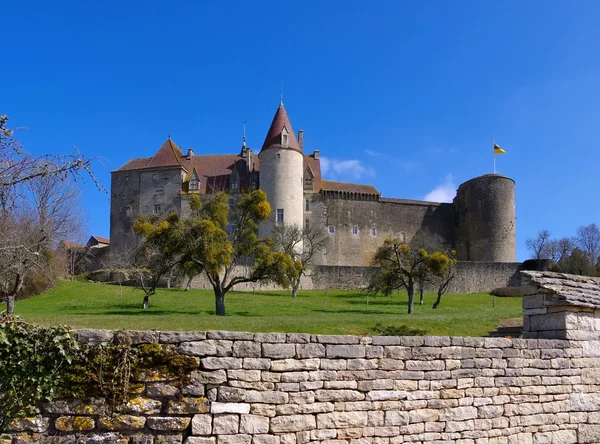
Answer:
(337, 312)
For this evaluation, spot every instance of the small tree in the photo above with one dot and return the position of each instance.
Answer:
(160, 252)
(539, 245)
(587, 239)
(441, 265)
(301, 245)
(226, 247)
(397, 266)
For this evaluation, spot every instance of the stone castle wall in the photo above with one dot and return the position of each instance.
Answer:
(277, 388)
(470, 277)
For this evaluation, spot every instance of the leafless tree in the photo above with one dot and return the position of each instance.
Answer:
(587, 239)
(559, 249)
(539, 245)
(302, 246)
(36, 206)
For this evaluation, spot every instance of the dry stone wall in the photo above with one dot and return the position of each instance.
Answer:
(277, 388)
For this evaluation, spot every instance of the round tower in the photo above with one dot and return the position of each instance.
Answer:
(485, 208)
(282, 175)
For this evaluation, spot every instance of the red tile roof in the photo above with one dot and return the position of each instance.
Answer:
(344, 187)
(315, 167)
(168, 155)
(100, 239)
(70, 245)
(273, 139)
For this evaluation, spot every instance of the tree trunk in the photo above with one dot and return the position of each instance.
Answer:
(421, 300)
(146, 302)
(10, 304)
(295, 286)
(411, 298)
(189, 283)
(438, 300)
(219, 301)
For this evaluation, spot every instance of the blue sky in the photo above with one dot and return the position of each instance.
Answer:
(405, 96)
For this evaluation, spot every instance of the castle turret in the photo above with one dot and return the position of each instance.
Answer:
(485, 208)
(281, 174)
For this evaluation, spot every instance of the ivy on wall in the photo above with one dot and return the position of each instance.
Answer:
(40, 364)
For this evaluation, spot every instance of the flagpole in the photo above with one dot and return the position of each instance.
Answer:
(494, 154)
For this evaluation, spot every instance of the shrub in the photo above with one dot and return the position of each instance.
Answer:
(509, 292)
(397, 330)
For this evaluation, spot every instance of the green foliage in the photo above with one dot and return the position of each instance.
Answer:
(397, 330)
(32, 361)
(113, 371)
(38, 364)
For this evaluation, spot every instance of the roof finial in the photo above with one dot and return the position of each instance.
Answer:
(281, 94)
(244, 139)
(169, 137)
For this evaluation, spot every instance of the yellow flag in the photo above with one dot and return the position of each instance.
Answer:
(498, 150)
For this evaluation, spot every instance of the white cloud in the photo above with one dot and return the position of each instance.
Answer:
(340, 169)
(374, 153)
(444, 192)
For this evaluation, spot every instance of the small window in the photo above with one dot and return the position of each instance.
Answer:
(284, 139)
(194, 182)
(355, 230)
(278, 157)
(279, 216)
(157, 209)
(235, 185)
(331, 228)
(374, 232)
(306, 205)
(128, 211)
(308, 182)
(402, 237)
(306, 224)
(154, 177)
(126, 180)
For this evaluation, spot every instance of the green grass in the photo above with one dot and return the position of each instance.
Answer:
(80, 304)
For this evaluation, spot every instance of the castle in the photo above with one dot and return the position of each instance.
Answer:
(479, 223)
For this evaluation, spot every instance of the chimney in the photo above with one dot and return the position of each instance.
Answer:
(190, 154)
(317, 154)
(301, 139)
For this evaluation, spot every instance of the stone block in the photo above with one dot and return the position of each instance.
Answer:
(188, 405)
(143, 405)
(342, 420)
(74, 423)
(161, 390)
(292, 365)
(338, 339)
(200, 440)
(246, 349)
(345, 351)
(135, 337)
(122, 422)
(254, 424)
(202, 424)
(168, 439)
(278, 351)
(313, 350)
(213, 377)
(230, 335)
(177, 337)
(94, 336)
(225, 424)
(256, 364)
(235, 439)
(265, 439)
(292, 423)
(273, 338)
(589, 433)
(227, 363)
(229, 407)
(168, 424)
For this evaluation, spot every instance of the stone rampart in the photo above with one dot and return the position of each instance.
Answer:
(470, 277)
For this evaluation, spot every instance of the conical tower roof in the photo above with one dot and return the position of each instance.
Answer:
(273, 139)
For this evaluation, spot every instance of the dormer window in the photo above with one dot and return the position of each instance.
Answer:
(194, 182)
(284, 137)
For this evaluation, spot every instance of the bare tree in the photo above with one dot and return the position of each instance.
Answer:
(559, 249)
(302, 246)
(36, 205)
(587, 239)
(539, 245)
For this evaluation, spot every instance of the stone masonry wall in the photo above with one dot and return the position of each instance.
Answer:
(277, 388)
(470, 277)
